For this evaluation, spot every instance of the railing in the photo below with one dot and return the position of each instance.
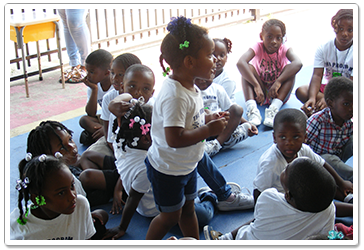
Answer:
(125, 29)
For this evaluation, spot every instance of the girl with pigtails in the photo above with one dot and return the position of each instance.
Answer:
(179, 128)
(52, 210)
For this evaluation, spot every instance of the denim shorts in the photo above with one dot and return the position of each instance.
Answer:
(170, 192)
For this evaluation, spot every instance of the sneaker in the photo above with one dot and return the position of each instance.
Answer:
(239, 134)
(254, 116)
(270, 113)
(242, 201)
(349, 198)
(212, 147)
(210, 234)
(235, 188)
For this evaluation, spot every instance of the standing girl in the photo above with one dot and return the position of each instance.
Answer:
(270, 77)
(334, 58)
(57, 213)
(222, 49)
(178, 147)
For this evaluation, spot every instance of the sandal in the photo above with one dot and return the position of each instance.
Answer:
(74, 75)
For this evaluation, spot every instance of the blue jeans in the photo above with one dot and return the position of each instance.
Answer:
(76, 35)
(337, 162)
(205, 211)
(213, 178)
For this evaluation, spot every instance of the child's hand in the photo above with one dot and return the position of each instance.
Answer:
(260, 95)
(273, 91)
(216, 126)
(253, 130)
(309, 107)
(114, 233)
(117, 201)
(119, 108)
(89, 84)
(346, 187)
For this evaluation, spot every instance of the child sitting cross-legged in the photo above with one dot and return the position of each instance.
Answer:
(238, 129)
(330, 131)
(289, 133)
(304, 208)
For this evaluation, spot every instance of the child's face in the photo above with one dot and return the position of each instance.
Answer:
(342, 107)
(96, 74)
(289, 138)
(205, 62)
(67, 147)
(272, 39)
(221, 56)
(139, 83)
(202, 84)
(344, 34)
(59, 193)
(116, 75)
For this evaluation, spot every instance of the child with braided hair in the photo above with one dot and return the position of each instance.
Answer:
(334, 58)
(179, 129)
(94, 173)
(222, 49)
(55, 211)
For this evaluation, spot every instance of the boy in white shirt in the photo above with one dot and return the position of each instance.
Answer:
(216, 99)
(304, 209)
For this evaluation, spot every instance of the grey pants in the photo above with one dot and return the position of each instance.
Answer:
(337, 162)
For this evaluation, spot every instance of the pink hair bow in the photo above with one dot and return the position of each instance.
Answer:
(131, 124)
(145, 128)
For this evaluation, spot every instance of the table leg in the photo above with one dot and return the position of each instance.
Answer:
(39, 62)
(19, 37)
(60, 52)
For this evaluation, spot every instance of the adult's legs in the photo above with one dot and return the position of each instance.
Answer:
(77, 35)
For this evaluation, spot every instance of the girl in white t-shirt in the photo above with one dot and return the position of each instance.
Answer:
(334, 58)
(56, 212)
(178, 127)
(222, 49)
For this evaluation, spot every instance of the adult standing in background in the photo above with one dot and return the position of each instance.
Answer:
(78, 43)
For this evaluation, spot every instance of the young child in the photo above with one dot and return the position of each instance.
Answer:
(289, 133)
(304, 208)
(269, 78)
(131, 145)
(139, 79)
(118, 67)
(238, 129)
(178, 128)
(330, 131)
(56, 212)
(334, 58)
(222, 49)
(94, 173)
(98, 65)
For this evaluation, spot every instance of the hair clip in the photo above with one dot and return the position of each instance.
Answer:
(176, 22)
(166, 72)
(20, 184)
(42, 158)
(120, 142)
(40, 200)
(28, 156)
(186, 44)
(335, 235)
(58, 155)
(145, 128)
(135, 141)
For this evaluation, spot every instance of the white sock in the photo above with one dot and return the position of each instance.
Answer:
(276, 103)
(250, 104)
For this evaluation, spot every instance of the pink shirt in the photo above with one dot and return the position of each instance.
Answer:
(269, 66)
